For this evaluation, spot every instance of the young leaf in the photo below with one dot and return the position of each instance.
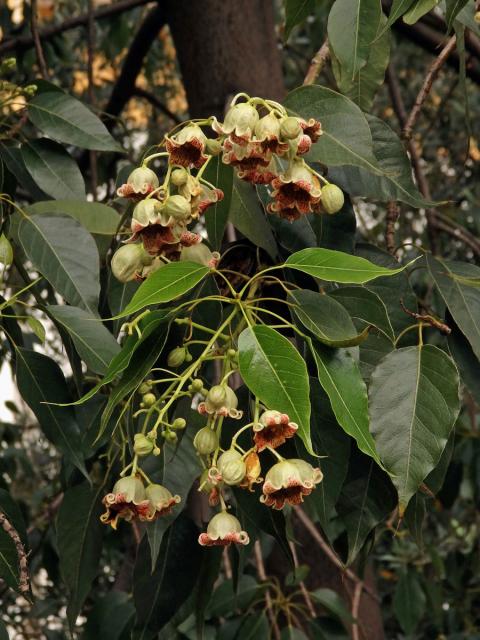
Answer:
(295, 13)
(221, 175)
(398, 8)
(94, 216)
(93, 342)
(326, 319)
(333, 603)
(65, 253)
(339, 375)
(276, 373)
(418, 10)
(53, 169)
(365, 306)
(453, 8)
(336, 266)
(37, 327)
(168, 283)
(79, 540)
(413, 414)
(66, 119)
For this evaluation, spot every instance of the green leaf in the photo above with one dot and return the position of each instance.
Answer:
(221, 175)
(453, 8)
(372, 351)
(414, 518)
(37, 327)
(352, 27)
(466, 361)
(247, 215)
(65, 253)
(346, 137)
(295, 13)
(413, 414)
(79, 540)
(418, 10)
(93, 342)
(365, 306)
(395, 182)
(462, 300)
(339, 375)
(326, 319)
(6, 250)
(409, 601)
(40, 381)
(94, 216)
(109, 617)
(12, 156)
(66, 119)
(3, 632)
(160, 593)
(336, 266)
(398, 8)
(225, 599)
(53, 169)
(166, 284)
(275, 372)
(333, 603)
(254, 627)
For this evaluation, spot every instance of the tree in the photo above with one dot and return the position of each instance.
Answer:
(240, 300)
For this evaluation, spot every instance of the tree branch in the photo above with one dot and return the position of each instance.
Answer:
(268, 598)
(36, 39)
(7, 526)
(393, 213)
(318, 62)
(152, 98)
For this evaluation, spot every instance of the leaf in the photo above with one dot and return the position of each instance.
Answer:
(352, 27)
(453, 8)
(158, 595)
(275, 372)
(65, 253)
(254, 627)
(9, 568)
(326, 319)
(109, 617)
(53, 169)
(37, 327)
(166, 284)
(12, 157)
(216, 217)
(6, 250)
(467, 364)
(412, 415)
(414, 518)
(79, 540)
(418, 10)
(339, 375)
(66, 119)
(409, 601)
(225, 599)
(247, 215)
(346, 137)
(295, 13)
(398, 8)
(94, 216)
(365, 306)
(93, 342)
(333, 603)
(372, 351)
(463, 301)
(336, 266)
(395, 181)
(40, 381)
(3, 632)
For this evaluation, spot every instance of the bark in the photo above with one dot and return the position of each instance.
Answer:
(224, 47)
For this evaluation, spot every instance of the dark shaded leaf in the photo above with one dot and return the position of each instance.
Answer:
(109, 617)
(409, 601)
(364, 305)
(295, 13)
(221, 175)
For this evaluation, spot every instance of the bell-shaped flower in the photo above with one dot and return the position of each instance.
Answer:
(239, 124)
(259, 174)
(295, 193)
(288, 481)
(221, 401)
(187, 147)
(140, 182)
(272, 429)
(127, 501)
(267, 135)
(161, 501)
(222, 530)
(232, 467)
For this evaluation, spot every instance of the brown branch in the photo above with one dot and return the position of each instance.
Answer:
(318, 62)
(268, 598)
(36, 39)
(21, 43)
(303, 588)
(24, 581)
(458, 232)
(427, 86)
(393, 212)
(357, 595)
(427, 319)
(330, 553)
(154, 101)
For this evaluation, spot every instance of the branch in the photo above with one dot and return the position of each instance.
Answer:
(318, 62)
(152, 98)
(268, 598)
(36, 39)
(357, 595)
(24, 581)
(21, 43)
(303, 588)
(393, 213)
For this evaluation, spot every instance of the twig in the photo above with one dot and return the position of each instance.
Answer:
(36, 39)
(91, 88)
(227, 565)
(456, 231)
(303, 588)
(427, 85)
(268, 598)
(393, 212)
(357, 595)
(25, 42)
(331, 555)
(318, 62)
(427, 319)
(24, 581)
(152, 98)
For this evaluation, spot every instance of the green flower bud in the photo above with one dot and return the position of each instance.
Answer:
(8, 64)
(232, 467)
(476, 17)
(332, 198)
(205, 441)
(232, 353)
(199, 253)
(179, 423)
(197, 385)
(30, 90)
(213, 147)
(290, 128)
(128, 261)
(144, 388)
(179, 177)
(217, 397)
(177, 207)
(142, 445)
(171, 437)
(131, 487)
(149, 399)
(176, 357)
(143, 179)
(6, 251)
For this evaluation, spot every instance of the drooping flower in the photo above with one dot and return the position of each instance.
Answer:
(272, 429)
(200, 253)
(127, 501)
(239, 124)
(148, 212)
(259, 174)
(245, 157)
(140, 183)
(221, 401)
(128, 262)
(204, 199)
(311, 128)
(267, 135)
(161, 502)
(295, 193)
(222, 530)
(159, 239)
(288, 481)
(187, 147)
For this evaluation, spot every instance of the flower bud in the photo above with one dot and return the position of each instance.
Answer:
(217, 396)
(213, 147)
(205, 441)
(199, 253)
(176, 357)
(149, 399)
(30, 89)
(179, 423)
(171, 437)
(128, 261)
(143, 179)
(232, 467)
(131, 487)
(179, 177)
(197, 385)
(332, 198)
(6, 251)
(142, 445)
(177, 207)
(222, 530)
(8, 64)
(267, 127)
(144, 388)
(290, 128)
